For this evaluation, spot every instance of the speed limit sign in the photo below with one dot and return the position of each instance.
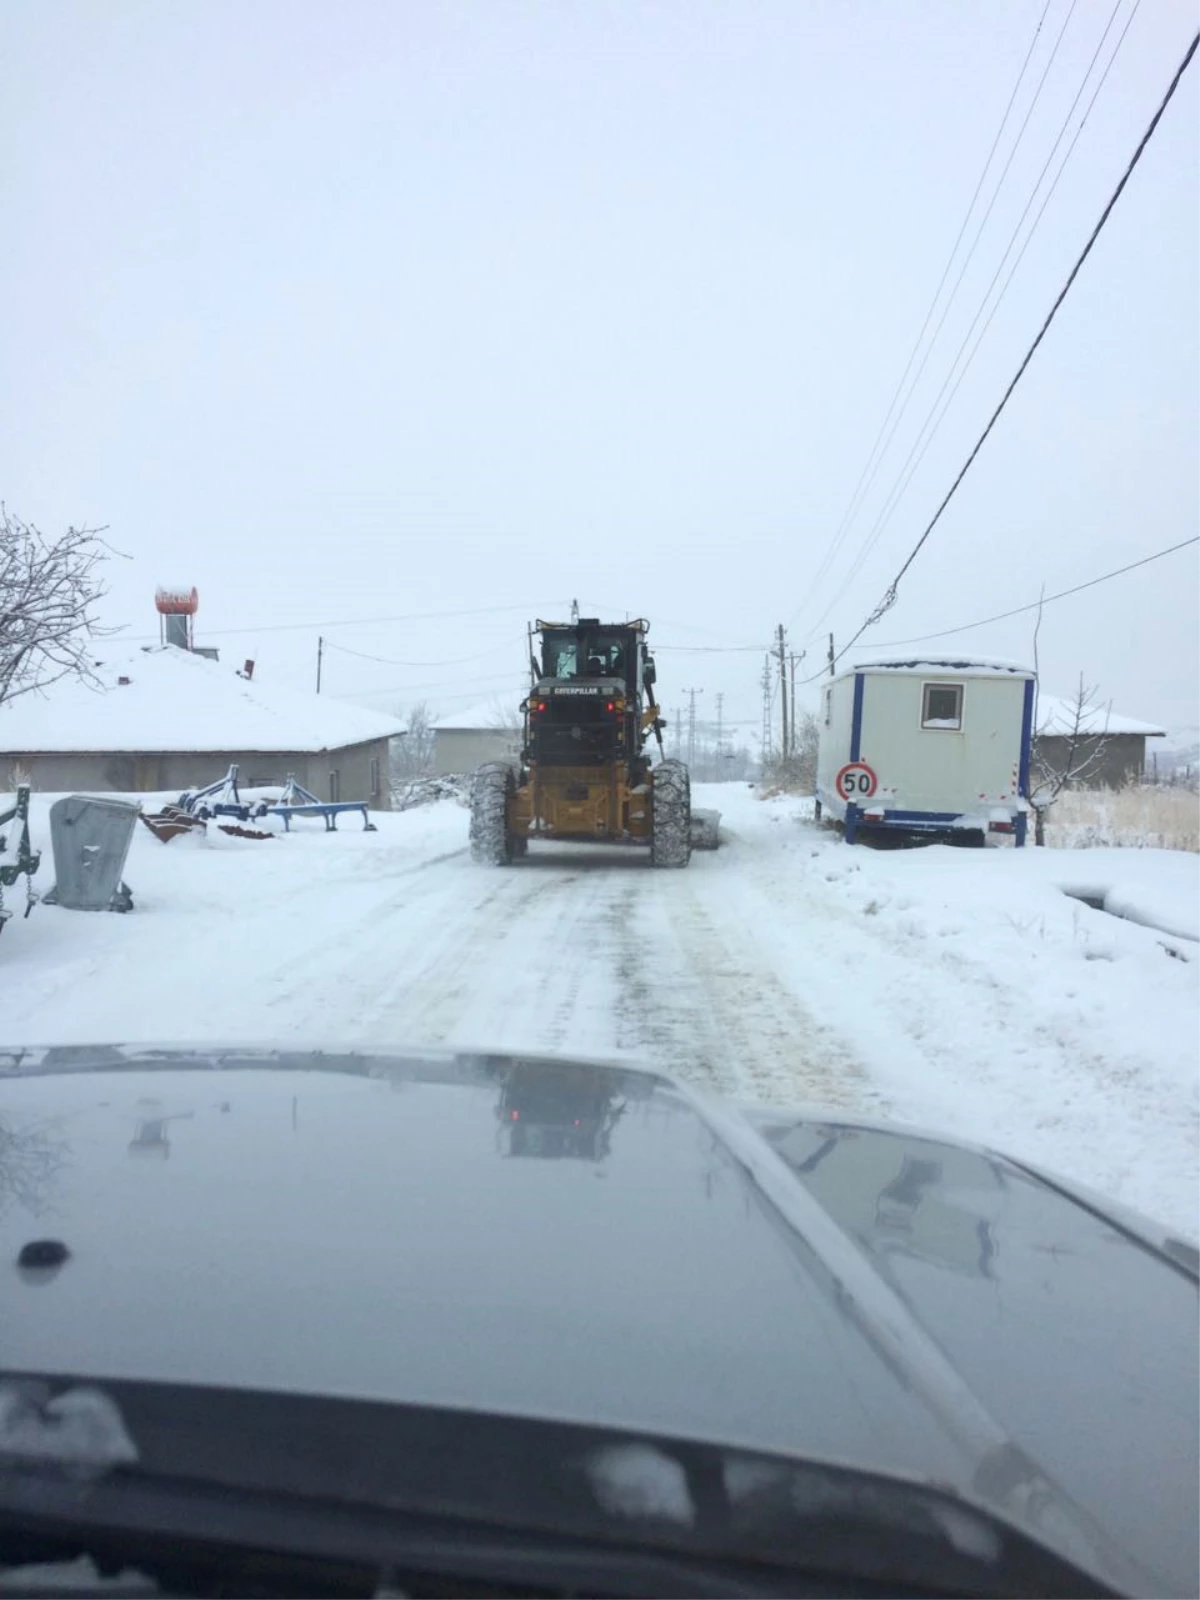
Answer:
(856, 781)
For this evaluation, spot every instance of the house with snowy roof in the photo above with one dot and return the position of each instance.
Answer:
(168, 717)
(1111, 748)
(466, 739)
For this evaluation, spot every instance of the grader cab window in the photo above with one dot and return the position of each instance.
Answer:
(592, 656)
(560, 657)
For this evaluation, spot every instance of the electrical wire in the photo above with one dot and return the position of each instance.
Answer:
(1017, 611)
(1029, 236)
(388, 661)
(889, 598)
(469, 686)
(934, 418)
(350, 622)
(711, 649)
(876, 456)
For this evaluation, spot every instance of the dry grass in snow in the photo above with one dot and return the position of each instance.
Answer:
(1164, 819)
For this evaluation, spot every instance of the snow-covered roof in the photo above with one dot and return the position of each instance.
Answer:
(1056, 715)
(963, 666)
(485, 718)
(177, 700)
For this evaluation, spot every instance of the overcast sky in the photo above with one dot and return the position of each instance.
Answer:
(349, 311)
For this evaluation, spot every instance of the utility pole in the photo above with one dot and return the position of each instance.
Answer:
(691, 742)
(783, 688)
(832, 657)
(677, 724)
(720, 733)
(794, 661)
(766, 711)
(320, 653)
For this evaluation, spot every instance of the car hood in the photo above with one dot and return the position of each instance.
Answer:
(579, 1242)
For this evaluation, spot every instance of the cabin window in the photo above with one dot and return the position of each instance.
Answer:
(941, 706)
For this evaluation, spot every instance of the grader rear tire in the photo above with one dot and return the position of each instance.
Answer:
(671, 818)
(492, 788)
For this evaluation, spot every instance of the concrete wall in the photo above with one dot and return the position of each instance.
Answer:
(1121, 758)
(464, 749)
(100, 772)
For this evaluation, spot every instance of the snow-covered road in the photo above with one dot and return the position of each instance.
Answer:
(960, 990)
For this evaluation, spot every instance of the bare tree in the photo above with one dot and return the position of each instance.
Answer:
(412, 751)
(1081, 752)
(49, 589)
(505, 718)
(798, 771)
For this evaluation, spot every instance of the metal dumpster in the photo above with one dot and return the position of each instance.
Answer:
(90, 836)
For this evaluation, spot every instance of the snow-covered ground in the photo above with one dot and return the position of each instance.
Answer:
(961, 990)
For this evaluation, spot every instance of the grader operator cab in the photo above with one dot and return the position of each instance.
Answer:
(585, 772)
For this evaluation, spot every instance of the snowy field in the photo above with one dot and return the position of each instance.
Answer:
(968, 991)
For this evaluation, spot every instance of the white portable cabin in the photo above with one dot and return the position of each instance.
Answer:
(927, 745)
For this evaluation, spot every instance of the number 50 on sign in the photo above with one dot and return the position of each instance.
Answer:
(856, 781)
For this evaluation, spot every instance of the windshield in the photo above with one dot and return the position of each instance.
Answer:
(579, 656)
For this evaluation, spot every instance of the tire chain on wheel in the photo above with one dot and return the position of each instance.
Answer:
(491, 842)
(671, 819)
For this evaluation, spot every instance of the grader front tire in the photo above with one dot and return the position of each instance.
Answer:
(671, 820)
(492, 844)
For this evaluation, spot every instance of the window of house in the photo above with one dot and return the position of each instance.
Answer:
(374, 776)
(335, 785)
(941, 705)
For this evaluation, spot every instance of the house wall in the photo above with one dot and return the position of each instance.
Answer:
(101, 772)
(926, 769)
(457, 750)
(1120, 758)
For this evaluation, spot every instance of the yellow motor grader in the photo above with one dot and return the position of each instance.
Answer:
(585, 773)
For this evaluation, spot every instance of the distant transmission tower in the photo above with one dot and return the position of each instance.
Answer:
(691, 738)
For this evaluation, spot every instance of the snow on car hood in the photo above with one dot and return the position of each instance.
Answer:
(576, 1242)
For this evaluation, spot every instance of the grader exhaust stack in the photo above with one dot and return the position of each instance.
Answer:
(586, 774)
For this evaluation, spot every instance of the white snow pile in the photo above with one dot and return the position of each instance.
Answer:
(82, 1426)
(1151, 887)
(637, 1480)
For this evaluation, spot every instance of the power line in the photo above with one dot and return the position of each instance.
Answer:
(363, 696)
(889, 598)
(1002, 616)
(350, 622)
(876, 456)
(934, 419)
(712, 649)
(387, 661)
(1012, 271)
(468, 685)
